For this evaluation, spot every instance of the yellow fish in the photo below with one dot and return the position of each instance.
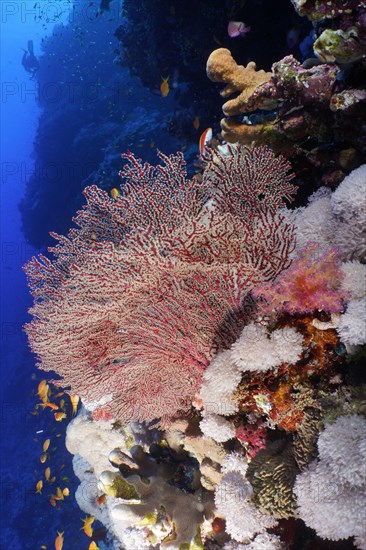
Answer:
(46, 444)
(196, 123)
(164, 86)
(43, 390)
(66, 492)
(39, 487)
(59, 494)
(74, 399)
(115, 193)
(87, 527)
(52, 406)
(59, 416)
(93, 546)
(47, 474)
(43, 458)
(59, 542)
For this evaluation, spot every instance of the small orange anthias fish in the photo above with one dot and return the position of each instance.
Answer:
(43, 390)
(164, 86)
(114, 194)
(206, 136)
(39, 487)
(59, 416)
(59, 542)
(46, 444)
(59, 494)
(87, 527)
(52, 406)
(93, 546)
(47, 473)
(237, 28)
(43, 458)
(196, 123)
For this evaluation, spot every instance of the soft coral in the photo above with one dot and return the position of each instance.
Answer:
(311, 283)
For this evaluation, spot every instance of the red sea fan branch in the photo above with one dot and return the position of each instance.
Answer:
(247, 180)
(151, 285)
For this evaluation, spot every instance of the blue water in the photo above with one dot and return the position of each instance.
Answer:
(27, 520)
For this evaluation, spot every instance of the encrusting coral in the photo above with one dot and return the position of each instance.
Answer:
(345, 39)
(311, 112)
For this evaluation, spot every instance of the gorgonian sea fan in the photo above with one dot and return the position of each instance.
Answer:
(149, 286)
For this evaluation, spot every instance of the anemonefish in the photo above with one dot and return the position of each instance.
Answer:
(164, 86)
(237, 28)
(206, 136)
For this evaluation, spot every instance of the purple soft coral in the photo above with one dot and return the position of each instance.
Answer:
(311, 283)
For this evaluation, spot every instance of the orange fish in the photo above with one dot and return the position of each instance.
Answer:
(43, 390)
(47, 474)
(87, 527)
(52, 406)
(59, 416)
(74, 399)
(196, 123)
(65, 492)
(59, 494)
(114, 194)
(59, 542)
(93, 546)
(46, 444)
(206, 136)
(39, 487)
(43, 458)
(164, 86)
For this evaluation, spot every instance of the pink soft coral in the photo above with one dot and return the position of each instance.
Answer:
(311, 283)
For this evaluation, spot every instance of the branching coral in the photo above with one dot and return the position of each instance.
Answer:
(245, 81)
